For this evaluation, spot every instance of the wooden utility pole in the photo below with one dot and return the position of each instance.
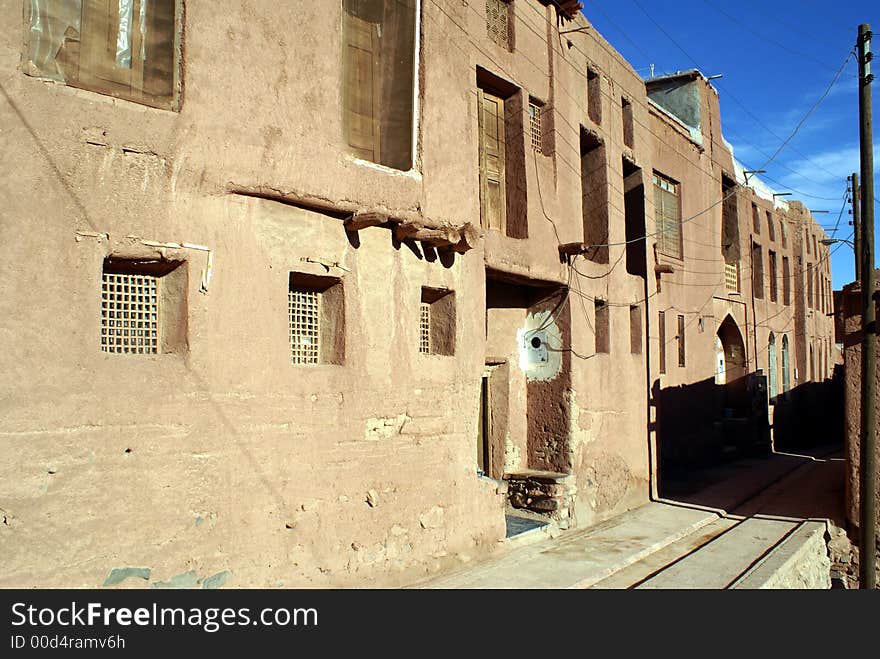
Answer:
(867, 461)
(857, 225)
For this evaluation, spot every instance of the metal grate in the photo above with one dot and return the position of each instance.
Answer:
(496, 22)
(304, 312)
(425, 328)
(731, 276)
(129, 314)
(535, 126)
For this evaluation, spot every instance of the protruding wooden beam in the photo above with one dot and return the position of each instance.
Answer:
(573, 248)
(437, 237)
(468, 236)
(663, 269)
(406, 230)
(363, 220)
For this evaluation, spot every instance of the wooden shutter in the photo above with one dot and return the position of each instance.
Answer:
(362, 85)
(97, 61)
(493, 197)
(672, 221)
(159, 56)
(668, 219)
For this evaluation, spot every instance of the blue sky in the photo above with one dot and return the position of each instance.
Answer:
(777, 59)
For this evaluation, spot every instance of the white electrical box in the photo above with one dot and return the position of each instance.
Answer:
(535, 347)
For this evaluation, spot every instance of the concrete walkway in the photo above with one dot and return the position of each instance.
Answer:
(756, 517)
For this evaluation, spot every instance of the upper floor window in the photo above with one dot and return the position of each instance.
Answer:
(379, 77)
(667, 212)
(535, 109)
(594, 96)
(500, 119)
(123, 48)
(628, 122)
(499, 23)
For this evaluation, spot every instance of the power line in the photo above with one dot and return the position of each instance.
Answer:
(778, 44)
(731, 96)
(577, 102)
(564, 119)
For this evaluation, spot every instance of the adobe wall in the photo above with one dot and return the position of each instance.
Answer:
(604, 442)
(610, 444)
(228, 458)
(851, 312)
(225, 458)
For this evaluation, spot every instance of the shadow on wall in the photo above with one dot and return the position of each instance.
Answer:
(704, 424)
(811, 414)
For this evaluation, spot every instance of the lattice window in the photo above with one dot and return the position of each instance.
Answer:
(304, 312)
(497, 22)
(535, 126)
(129, 314)
(731, 277)
(437, 321)
(425, 328)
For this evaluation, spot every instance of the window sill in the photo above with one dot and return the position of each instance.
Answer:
(96, 96)
(413, 173)
(672, 257)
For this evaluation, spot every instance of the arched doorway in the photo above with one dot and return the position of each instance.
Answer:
(771, 366)
(786, 377)
(733, 355)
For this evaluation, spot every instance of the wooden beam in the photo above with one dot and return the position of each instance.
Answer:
(573, 248)
(437, 237)
(406, 230)
(468, 235)
(363, 220)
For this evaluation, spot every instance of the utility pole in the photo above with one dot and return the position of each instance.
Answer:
(868, 457)
(857, 225)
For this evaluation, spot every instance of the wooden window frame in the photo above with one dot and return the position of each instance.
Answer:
(757, 271)
(87, 56)
(665, 217)
(364, 117)
(774, 287)
(488, 175)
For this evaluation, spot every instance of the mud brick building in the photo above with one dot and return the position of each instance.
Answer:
(317, 295)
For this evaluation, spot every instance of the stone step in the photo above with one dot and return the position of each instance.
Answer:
(800, 561)
(652, 564)
(723, 561)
